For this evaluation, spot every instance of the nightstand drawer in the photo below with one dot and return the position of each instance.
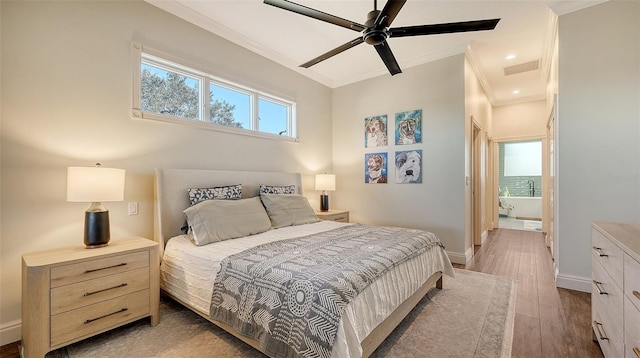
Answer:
(68, 274)
(88, 320)
(343, 218)
(66, 298)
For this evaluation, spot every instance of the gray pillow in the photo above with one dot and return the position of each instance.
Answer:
(288, 209)
(218, 220)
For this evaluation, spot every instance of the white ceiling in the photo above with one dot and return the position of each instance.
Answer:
(526, 30)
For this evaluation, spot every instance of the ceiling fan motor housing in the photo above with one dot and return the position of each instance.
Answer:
(373, 35)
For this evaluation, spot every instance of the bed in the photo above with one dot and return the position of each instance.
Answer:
(188, 272)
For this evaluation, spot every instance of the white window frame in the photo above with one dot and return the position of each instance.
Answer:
(158, 59)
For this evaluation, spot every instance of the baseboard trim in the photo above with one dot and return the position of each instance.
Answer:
(10, 332)
(484, 237)
(577, 283)
(458, 258)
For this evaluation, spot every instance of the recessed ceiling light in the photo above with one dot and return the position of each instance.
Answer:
(515, 91)
(510, 57)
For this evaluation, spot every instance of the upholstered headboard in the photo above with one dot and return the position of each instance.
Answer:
(171, 196)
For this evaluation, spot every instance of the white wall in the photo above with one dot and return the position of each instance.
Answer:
(598, 128)
(438, 204)
(66, 95)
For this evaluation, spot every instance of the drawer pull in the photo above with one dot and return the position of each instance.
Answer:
(600, 332)
(105, 289)
(636, 350)
(599, 252)
(104, 268)
(107, 315)
(599, 288)
(637, 294)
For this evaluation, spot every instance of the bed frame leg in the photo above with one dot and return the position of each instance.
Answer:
(439, 283)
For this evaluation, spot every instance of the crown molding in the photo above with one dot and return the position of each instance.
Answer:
(474, 61)
(562, 7)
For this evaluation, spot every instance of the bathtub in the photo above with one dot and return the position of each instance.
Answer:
(524, 206)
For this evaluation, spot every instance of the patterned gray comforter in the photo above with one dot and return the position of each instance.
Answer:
(289, 295)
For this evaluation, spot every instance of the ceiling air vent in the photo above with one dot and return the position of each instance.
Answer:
(522, 67)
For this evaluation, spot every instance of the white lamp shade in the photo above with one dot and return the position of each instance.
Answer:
(325, 182)
(95, 184)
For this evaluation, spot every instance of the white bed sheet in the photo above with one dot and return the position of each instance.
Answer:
(188, 273)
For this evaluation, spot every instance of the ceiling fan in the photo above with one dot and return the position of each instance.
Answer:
(375, 30)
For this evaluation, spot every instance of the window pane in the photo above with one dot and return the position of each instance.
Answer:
(230, 107)
(169, 93)
(523, 159)
(273, 117)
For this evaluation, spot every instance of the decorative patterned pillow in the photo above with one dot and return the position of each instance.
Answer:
(197, 195)
(283, 189)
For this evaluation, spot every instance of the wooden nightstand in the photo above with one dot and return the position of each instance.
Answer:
(334, 215)
(73, 293)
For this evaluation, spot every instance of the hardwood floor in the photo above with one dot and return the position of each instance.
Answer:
(550, 322)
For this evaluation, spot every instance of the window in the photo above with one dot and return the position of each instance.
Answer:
(167, 91)
(523, 159)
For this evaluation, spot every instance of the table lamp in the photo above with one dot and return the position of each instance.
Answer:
(325, 182)
(95, 185)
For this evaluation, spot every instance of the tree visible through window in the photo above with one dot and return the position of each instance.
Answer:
(168, 91)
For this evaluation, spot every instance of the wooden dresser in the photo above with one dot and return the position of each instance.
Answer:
(615, 295)
(73, 293)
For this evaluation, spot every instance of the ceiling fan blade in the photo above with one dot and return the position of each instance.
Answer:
(315, 14)
(390, 11)
(387, 57)
(335, 51)
(477, 25)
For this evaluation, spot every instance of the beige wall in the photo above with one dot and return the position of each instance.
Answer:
(523, 120)
(478, 110)
(438, 204)
(598, 129)
(66, 95)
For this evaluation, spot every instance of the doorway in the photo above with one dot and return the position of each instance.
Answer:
(520, 184)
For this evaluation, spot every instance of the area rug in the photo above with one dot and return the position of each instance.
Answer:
(472, 316)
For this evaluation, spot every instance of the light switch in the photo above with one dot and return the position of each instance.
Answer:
(133, 208)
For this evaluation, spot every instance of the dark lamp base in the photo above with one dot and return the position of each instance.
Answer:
(96, 229)
(324, 202)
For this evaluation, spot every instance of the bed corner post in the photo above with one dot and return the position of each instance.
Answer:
(439, 282)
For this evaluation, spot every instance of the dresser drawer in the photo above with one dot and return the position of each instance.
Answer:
(608, 255)
(632, 280)
(68, 274)
(609, 303)
(85, 321)
(613, 345)
(631, 329)
(66, 298)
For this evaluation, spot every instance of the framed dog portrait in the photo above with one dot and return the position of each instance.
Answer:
(375, 168)
(409, 127)
(409, 166)
(375, 131)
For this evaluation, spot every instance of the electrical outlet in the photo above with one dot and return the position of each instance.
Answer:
(133, 208)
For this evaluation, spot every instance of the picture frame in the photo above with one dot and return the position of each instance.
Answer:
(375, 168)
(408, 127)
(408, 165)
(375, 131)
